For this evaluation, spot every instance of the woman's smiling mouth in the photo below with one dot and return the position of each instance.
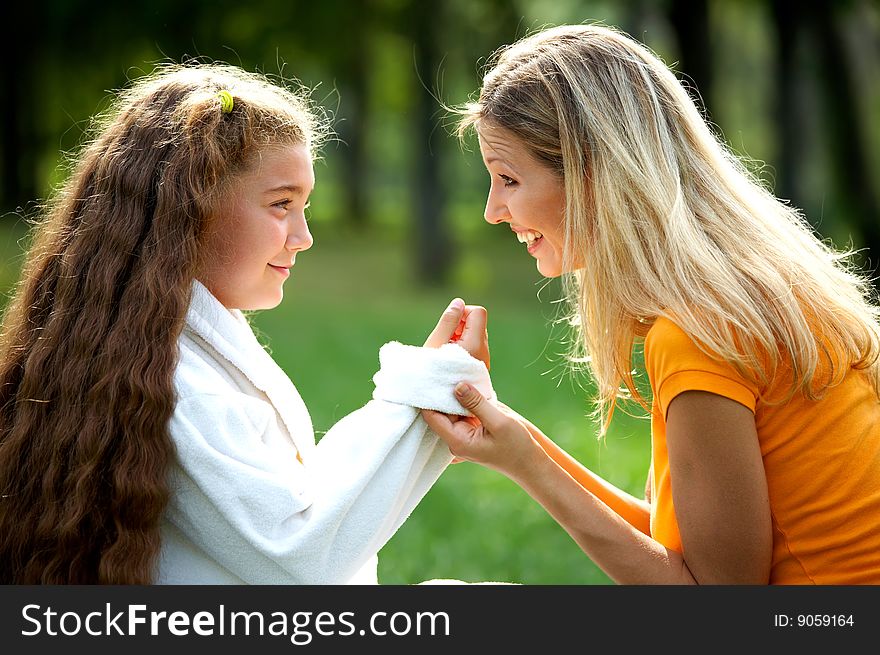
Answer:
(531, 238)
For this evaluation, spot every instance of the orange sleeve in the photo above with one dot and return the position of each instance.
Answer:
(676, 364)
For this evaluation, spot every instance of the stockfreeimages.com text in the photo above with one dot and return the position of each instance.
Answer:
(300, 627)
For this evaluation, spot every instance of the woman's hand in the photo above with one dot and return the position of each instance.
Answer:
(496, 436)
(464, 325)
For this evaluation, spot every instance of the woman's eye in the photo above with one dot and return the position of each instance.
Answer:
(508, 181)
(281, 204)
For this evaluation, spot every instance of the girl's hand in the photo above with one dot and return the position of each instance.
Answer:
(471, 333)
(464, 325)
(496, 436)
(451, 321)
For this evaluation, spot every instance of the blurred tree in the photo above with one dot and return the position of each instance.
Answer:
(789, 115)
(690, 20)
(354, 76)
(75, 51)
(339, 35)
(475, 31)
(851, 169)
(433, 243)
(849, 178)
(18, 129)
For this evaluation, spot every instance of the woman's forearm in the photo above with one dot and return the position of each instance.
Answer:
(634, 511)
(626, 554)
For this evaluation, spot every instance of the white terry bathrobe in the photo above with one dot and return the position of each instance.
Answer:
(254, 500)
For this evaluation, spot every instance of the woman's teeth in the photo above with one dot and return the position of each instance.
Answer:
(528, 237)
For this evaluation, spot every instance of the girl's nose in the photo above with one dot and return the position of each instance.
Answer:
(300, 238)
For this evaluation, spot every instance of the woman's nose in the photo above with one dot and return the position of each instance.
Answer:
(496, 212)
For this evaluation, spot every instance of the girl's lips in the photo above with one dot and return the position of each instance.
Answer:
(281, 269)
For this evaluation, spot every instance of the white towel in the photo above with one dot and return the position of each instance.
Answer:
(425, 377)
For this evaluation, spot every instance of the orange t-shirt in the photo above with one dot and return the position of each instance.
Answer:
(821, 458)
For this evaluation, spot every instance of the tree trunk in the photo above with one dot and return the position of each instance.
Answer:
(433, 251)
(788, 24)
(353, 128)
(18, 138)
(846, 130)
(690, 20)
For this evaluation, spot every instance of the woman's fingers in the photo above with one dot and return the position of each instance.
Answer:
(437, 421)
(490, 437)
(456, 434)
(472, 400)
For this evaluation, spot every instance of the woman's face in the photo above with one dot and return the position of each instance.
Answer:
(525, 194)
(252, 244)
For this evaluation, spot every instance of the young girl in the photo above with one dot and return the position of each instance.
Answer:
(761, 345)
(145, 435)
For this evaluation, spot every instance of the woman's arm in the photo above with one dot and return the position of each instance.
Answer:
(719, 489)
(634, 511)
(719, 492)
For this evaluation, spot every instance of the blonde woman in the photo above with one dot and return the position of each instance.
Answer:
(761, 344)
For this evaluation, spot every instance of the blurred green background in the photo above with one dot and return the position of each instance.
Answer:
(397, 210)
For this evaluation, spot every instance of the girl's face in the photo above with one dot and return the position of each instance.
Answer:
(252, 245)
(525, 194)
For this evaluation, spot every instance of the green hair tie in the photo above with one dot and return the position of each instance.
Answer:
(226, 101)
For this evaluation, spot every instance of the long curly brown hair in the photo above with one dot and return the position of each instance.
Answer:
(88, 345)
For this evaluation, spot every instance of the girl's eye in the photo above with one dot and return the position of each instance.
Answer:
(281, 204)
(508, 181)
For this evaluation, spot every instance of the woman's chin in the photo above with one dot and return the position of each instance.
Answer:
(549, 269)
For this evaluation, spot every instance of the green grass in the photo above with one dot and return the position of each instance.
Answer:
(348, 296)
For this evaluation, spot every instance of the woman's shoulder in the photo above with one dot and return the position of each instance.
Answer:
(669, 348)
(675, 363)
(664, 334)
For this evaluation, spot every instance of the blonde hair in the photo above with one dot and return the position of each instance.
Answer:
(662, 220)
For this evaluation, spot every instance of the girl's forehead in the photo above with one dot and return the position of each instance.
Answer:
(277, 168)
(272, 159)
